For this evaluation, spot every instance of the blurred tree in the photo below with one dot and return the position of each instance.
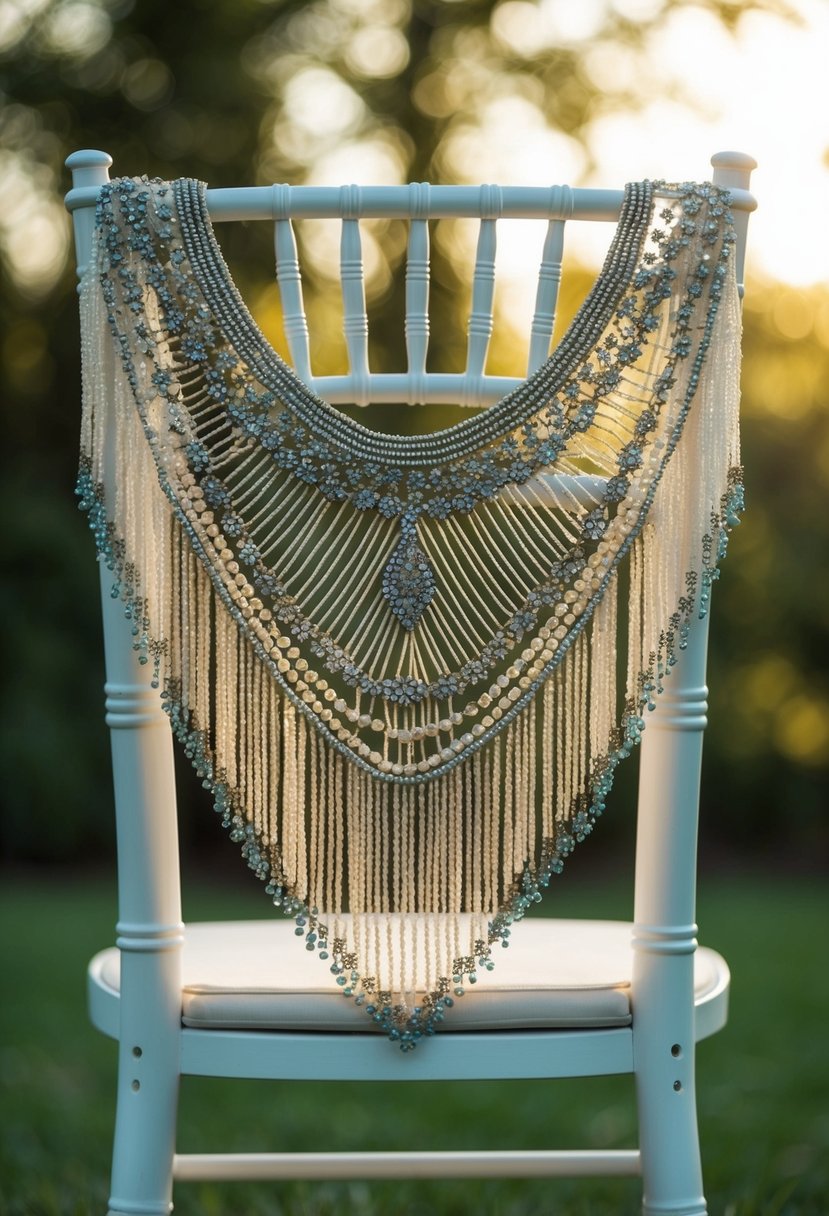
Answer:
(768, 763)
(336, 90)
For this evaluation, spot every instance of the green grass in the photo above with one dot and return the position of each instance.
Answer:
(763, 1082)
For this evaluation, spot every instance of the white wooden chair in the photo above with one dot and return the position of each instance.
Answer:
(626, 998)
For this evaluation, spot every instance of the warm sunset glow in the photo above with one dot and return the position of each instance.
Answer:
(761, 90)
(695, 87)
(701, 89)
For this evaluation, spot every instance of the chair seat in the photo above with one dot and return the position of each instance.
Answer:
(556, 974)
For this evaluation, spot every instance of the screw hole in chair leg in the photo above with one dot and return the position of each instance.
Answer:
(677, 1086)
(137, 1052)
(676, 1051)
(136, 1085)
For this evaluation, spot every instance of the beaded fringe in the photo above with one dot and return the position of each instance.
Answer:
(403, 888)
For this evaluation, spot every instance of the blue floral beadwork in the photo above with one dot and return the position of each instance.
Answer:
(408, 579)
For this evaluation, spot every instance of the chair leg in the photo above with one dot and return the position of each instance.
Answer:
(145, 1137)
(148, 1073)
(668, 1136)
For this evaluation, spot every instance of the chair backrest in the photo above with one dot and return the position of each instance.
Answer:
(670, 769)
(419, 205)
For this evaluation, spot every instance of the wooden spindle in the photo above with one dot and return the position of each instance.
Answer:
(355, 317)
(417, 288)
(289, 278)
(483, 290)
(546, 299)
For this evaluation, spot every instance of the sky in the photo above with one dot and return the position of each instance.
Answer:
(762, 90)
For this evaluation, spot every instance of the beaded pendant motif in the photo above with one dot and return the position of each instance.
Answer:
(393, 659)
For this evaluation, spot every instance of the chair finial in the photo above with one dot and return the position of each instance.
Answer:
(733, 169)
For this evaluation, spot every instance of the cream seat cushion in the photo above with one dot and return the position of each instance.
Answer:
(255, 975)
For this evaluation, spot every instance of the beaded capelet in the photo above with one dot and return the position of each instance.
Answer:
(401, 664)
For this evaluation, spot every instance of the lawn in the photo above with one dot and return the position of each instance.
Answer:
(764, 1081)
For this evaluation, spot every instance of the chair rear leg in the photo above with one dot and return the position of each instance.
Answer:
(665, 1090)
(145, 1136)
(669, 1144)
(148, 1072)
